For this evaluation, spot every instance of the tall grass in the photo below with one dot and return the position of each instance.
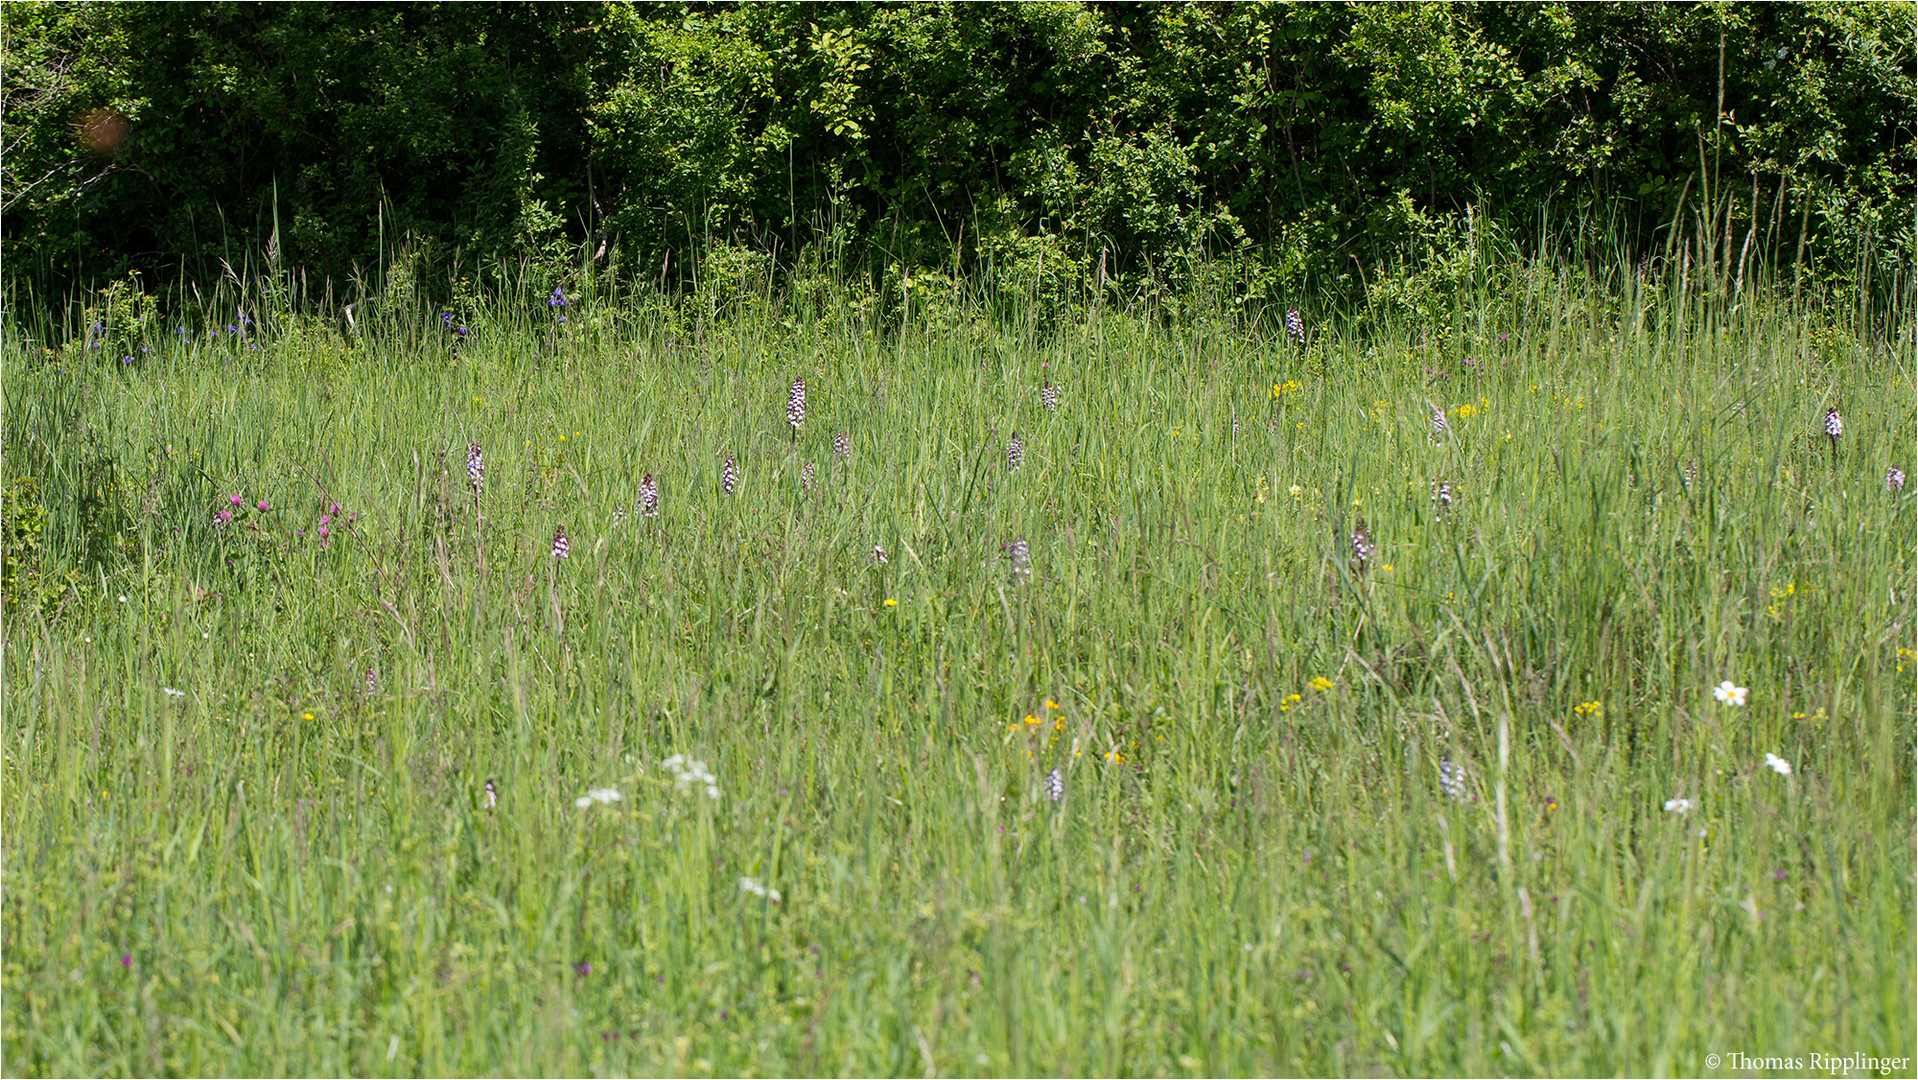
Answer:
(288, 866)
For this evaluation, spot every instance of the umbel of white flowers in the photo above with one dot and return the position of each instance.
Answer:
(689, 773)
(601, 795)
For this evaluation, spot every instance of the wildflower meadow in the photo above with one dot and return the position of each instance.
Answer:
(576, 680)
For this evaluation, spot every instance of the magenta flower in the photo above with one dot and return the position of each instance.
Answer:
(326, 519)
(325, 532)
(263, 506)
(236, 500)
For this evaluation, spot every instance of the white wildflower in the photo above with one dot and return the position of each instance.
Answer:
(753, 886)
(597, 795)
(1679, 806)
(689, 773)
(1778, 765)
(1729, 694)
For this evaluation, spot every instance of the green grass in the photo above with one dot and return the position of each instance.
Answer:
(1254, 868)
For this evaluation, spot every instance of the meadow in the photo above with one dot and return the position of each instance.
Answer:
(1241, 719)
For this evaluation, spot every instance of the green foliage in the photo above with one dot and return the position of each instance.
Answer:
(1321, 141)
(26, 591)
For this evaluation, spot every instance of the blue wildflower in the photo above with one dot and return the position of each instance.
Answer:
(558, 299)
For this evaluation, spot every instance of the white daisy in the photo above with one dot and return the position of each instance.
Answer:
(1778, 765)
(1729, 694)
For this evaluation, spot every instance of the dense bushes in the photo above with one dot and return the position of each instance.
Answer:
(1047, 146)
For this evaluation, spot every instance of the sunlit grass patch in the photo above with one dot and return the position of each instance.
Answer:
(592, 697)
